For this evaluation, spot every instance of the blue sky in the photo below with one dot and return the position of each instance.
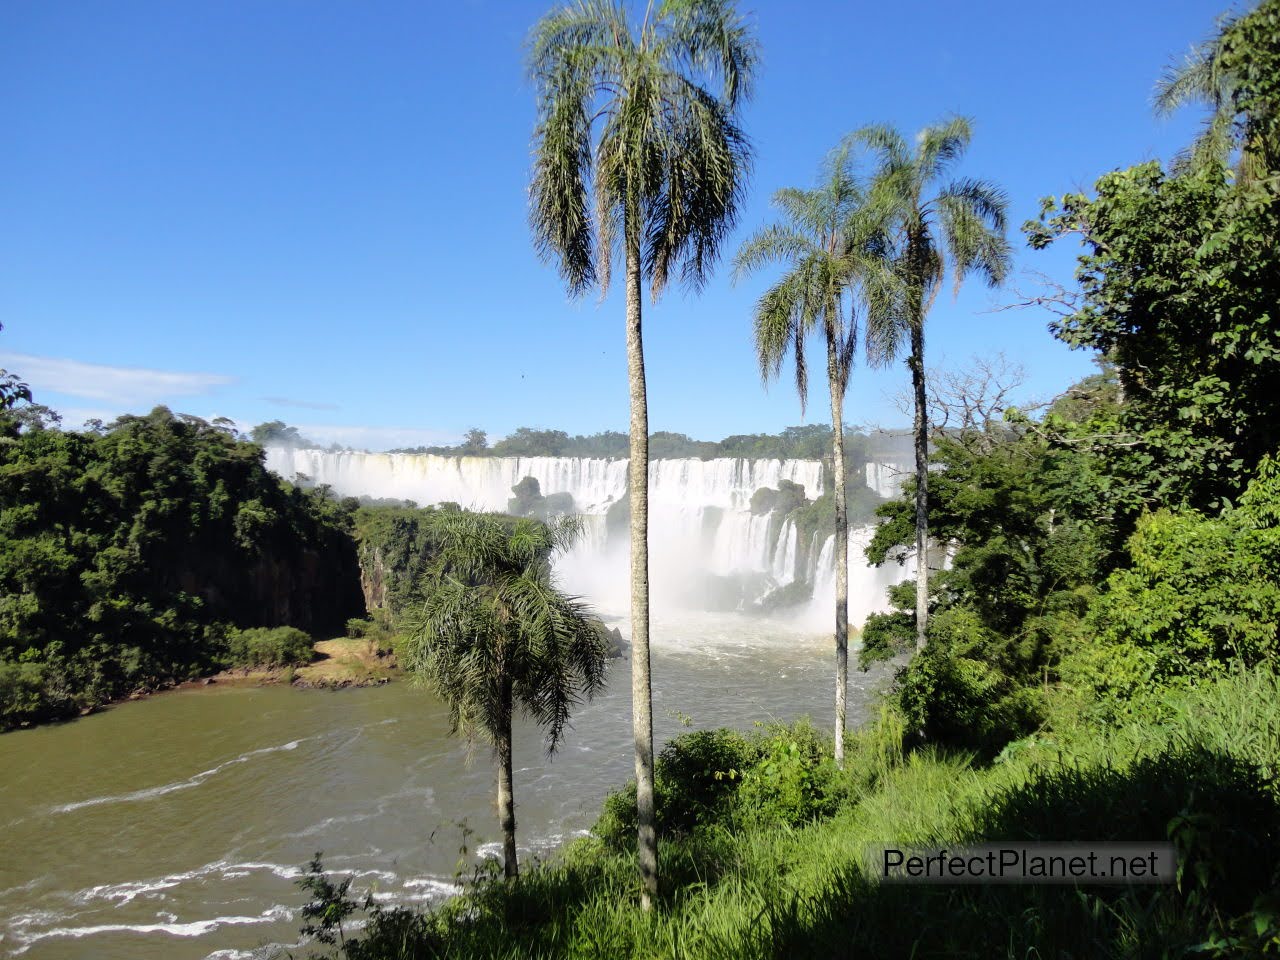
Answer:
(316, 211)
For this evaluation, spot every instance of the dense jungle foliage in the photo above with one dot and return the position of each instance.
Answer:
(132, 555)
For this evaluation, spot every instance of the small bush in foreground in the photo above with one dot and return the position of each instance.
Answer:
(781, 775)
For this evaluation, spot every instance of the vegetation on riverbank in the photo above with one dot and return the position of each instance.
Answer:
(349, 662)
(133, 553)
(766, 845)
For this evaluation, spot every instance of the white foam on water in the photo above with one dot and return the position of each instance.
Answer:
(492, 850)
(432, 884)
(193, 928)
(129, 890)
(192, 781)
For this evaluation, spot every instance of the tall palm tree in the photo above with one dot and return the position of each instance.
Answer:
(1208, 76)
(494, 633)
(1200, 78)
(835, 253)
(638, 147)
(957, 226)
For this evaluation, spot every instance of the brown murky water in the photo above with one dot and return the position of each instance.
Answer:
(176, 827)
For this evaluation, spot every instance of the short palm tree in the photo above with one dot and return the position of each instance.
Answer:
(638, 147)
(957, 226)
(836, 258)
(494, 633)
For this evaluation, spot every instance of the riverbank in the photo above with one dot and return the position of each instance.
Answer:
(770, 860)
(341, 662)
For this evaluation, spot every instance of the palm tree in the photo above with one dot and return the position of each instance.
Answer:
(1208, 76)
(835, 254)
(960, 228)
(494, 633)
(638, 146)
(1200, 78)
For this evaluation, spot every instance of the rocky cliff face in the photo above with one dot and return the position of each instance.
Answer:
(373, 577)
(316, 590)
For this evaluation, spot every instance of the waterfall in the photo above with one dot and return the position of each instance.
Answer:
(783, 566)
(706, 546)
(886, 479)
(868, 585)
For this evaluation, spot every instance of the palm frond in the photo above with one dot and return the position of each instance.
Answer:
(781, 319)
(774, 244)
(1198, 79)
(886, 142)
(708, 37)
(975, 238)
(804, 209)
(988, 202)
(703, 167)
(559, 207)
(940, 146)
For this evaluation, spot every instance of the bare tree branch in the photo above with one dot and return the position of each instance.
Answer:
(1044, 293)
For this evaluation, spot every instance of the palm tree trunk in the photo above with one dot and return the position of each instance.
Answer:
(916, 362)
(506, 800)
(641, 686)
(842, 542)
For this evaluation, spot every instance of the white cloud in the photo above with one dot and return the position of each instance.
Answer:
(378, 438)
(74, 418)
(127, 386)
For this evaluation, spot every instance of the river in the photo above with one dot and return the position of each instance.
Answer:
(176, 827)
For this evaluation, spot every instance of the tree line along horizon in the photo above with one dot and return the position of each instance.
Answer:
(1123, 540)
(810, 441)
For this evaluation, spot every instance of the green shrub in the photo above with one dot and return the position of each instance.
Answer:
(693, 775)
(22, 692)
(358, 627)
(698, 771)
(1200, 594)
(955, 693)
(269, 647)
(794, 780)
(779, 775)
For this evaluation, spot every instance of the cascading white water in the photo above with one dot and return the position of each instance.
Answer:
(484, 483)
(868, 585)
(783, 567)
(886, 479)
(701, 524)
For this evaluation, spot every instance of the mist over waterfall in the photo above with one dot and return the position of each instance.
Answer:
(709, 550)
